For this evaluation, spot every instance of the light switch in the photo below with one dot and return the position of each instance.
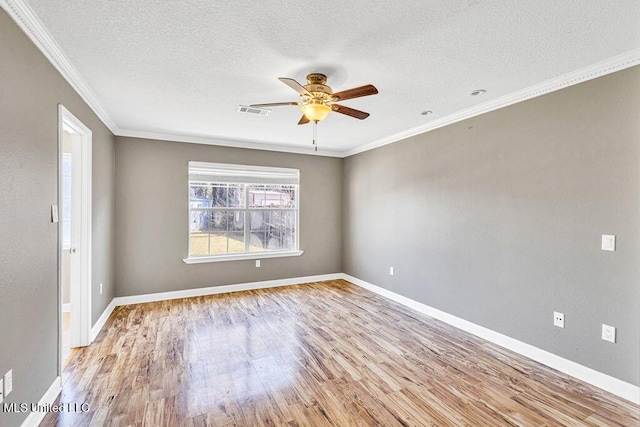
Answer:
(54, 213)
(8, 382)
(608, 242)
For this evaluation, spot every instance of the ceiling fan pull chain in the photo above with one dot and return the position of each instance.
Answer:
(315, 131)
(315, 135)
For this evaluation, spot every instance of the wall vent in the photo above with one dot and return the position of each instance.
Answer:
(253, 110)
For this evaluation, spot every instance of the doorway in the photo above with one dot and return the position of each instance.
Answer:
(74, 228)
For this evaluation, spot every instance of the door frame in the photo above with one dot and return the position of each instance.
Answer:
(81, 311)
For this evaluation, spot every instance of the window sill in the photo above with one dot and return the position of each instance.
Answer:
(240, 257)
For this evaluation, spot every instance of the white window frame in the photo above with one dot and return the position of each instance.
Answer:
(244, 170)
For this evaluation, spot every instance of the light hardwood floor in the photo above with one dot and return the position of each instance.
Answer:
(326, 353)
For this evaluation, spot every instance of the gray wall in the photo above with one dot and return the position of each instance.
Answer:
(31, 90)
(152, 217)
(498, 220)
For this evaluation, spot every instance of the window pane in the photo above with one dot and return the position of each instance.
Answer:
(272, 196)
(198, 243)
(281, 230)
(258, 220)
(219, 221)
(236, 221)
(224, 243)
(236, 196)
(218, 245)
(288, 196)
(222, 220)
(236, 243)
(257, 196)
(272, 230)
(199, 220)
(198, 232)
(257, 241)
(199, 195)
(219, 195)
(227, 195)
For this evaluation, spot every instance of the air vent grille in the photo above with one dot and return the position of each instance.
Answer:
(253, 110)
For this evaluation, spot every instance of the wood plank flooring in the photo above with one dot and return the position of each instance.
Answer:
(326, 353)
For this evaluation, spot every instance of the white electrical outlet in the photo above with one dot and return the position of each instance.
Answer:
(558, 319)
(608, 333)
(257, 263)
(391, 271)
(100, 288)
(8, 382)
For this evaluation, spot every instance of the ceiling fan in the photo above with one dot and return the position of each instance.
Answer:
(317, 99)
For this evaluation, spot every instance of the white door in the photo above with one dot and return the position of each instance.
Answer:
(75, 241)
(79, 214)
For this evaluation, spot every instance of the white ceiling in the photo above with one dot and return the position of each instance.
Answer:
(179, 69)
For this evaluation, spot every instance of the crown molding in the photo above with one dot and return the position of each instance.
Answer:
(28, 21)
(233, 143)
(599, 69)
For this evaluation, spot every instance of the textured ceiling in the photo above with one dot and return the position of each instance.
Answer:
(181, 68)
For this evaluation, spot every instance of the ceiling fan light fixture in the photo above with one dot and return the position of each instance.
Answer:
(315, 111)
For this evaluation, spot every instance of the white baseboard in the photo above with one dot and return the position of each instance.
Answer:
(95, 330)
(606, 382)
(35, 418)
(163, 296)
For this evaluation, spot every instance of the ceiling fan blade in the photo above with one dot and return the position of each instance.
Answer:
(273, 104)
(295, 86)
(356, 92)
(303, 120)
(349, 111)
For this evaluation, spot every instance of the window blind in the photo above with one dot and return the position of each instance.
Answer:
(242, 174)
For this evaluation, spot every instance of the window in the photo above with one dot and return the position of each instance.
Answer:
(242, 212)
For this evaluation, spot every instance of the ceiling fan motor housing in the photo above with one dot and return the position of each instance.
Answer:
(323, 89)
(316, 85)
(316, 78)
